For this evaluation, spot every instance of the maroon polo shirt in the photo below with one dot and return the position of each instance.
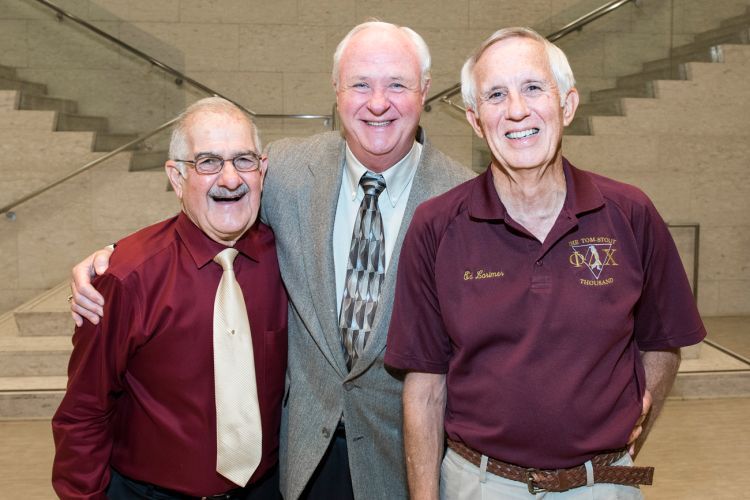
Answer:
(140, 389)
(540, 342)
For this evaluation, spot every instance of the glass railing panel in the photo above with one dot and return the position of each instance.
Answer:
(50, 233)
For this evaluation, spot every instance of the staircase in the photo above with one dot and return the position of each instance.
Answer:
(33, 96)
(704, 48)
(55, 229)
(683, 116)
(34, 349)
(42, 138)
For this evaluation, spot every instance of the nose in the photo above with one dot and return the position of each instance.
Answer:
(229, 177)
(378, 102)
(517, 108)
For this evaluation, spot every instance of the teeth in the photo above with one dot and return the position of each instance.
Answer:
(522, 134)
(379, 124)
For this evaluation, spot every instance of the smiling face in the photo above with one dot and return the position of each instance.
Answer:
(518, 107)
(379, 96)
(226, 204)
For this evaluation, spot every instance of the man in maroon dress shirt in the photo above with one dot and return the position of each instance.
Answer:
(139, 419)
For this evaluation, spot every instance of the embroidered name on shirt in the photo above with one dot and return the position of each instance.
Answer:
(482, 275)
(595, 253)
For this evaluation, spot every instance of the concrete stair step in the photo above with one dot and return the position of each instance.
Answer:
(7, 72)
(148, 160)
(108, 142)
(26, 87)
(723, 31)
(717, 371)
(601, 108)
(737, 36)
(644, 89)
(45, 315)
(579, 126)
(30, 397)
(743, 20)
(29, 101)
(676, 72)
(14, 120)
(68, 121)
(9, 100)
(701, 54)
(19, 384)
(706, 385)
(34, 356)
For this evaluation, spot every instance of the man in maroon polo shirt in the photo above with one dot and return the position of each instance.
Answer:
(139, 419)
(539, 308)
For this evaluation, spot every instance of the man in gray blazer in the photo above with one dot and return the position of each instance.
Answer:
(333, 414)
(341, 427)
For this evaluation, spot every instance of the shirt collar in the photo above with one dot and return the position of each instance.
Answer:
(582, 195)
(397, 177)
(203, 249)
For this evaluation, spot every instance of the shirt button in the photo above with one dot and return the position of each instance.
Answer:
(348, 386)
(539, 263)
(326, 432)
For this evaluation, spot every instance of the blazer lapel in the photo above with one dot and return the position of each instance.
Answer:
(317, 211)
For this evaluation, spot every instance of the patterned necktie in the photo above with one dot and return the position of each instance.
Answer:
(238, 429)
(365, 271)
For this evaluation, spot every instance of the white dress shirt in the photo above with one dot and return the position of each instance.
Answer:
(391, 202)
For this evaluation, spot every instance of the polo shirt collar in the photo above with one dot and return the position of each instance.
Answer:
(397, 177)
(582, 195)
(203, 249)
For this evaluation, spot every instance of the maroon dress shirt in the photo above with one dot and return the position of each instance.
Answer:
(140, 392)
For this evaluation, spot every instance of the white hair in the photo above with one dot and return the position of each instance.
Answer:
(558, 64)
(422, 51)
(178, 145)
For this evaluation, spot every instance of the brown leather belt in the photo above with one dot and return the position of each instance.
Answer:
(539, 480)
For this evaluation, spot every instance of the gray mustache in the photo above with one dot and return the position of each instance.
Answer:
(221, 192)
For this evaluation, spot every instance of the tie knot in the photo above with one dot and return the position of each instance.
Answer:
(372, 184)
(225, 258)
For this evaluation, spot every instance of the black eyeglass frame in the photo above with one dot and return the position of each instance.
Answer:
(257, 160)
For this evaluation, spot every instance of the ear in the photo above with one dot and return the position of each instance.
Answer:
(175, 177)
(571, 105)
(473, 119)
(263, 169)
(426, 90)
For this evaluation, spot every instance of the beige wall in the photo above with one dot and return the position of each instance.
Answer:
(275, 57)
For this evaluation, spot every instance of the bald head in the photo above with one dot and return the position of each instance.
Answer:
(378, 31)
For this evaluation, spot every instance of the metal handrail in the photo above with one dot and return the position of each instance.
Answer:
(7, 208)
(576, 25)
(180, 78)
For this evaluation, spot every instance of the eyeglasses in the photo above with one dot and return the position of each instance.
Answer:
(207, 165)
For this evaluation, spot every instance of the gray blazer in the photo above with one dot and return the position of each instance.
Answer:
(299, 203)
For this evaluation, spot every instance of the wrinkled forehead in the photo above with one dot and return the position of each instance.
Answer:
(513, 59)
(226, 130)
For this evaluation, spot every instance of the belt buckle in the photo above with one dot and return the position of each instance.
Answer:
(533, 489)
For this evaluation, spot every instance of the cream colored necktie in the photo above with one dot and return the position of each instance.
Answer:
(238, 429)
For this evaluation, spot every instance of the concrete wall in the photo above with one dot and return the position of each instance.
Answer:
(275, 57)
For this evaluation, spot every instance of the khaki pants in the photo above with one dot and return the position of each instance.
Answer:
(462, 480)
